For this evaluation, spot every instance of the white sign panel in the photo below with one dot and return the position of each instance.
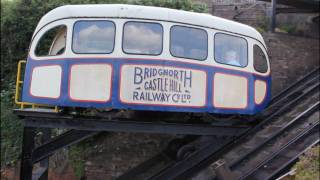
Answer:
(230, 91)
(46, 81)
(163, 85)
(90, 82)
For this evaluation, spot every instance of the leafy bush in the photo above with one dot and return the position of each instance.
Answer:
(263, 24)
(11, 128)
(287, 28)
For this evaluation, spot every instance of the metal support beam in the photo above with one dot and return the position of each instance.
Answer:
(41, 154)
(304, 4)
(294, 10)
(95, 124)
(84, 127)
(66, 139)
(41, 173)
(27, 146)
(273, 15)
(44, 164)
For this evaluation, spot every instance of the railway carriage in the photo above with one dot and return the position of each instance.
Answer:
(146, 58)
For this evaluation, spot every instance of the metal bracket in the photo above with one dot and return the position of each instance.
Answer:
(222, 171)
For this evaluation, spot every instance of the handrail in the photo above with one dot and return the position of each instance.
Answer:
(19, 82)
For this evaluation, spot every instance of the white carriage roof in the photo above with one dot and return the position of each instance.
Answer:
(148, 12)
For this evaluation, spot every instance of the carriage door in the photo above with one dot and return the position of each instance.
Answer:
(230, 86)
(46, 78)
(260, 64)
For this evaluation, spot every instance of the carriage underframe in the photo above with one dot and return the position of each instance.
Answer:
(80, 128)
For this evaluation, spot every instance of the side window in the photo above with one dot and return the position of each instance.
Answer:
(142, 38)
(260, 63)
(93, 37)
(53, 42)
(187, 42)
(230, 50)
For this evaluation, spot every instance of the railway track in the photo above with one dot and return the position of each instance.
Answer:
(281, 159)
(275, 147)
(185, 169)
(200, 153)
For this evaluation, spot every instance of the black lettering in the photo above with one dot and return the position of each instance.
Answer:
(188, 79)
(142, 96)
(146, 73)
(146, 85)
(154, 72)
(181, 74)
(156, 96)
(135, 95)
(154, 84)
(167, 97)
(137, 75)
(148, 96)
(176, 74)
(175, 98)
(165, 84)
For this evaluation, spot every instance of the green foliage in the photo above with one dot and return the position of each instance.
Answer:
(76, 156)
(262, 25)
(187, 5)
(19, 19)
(287, 28)
(11, 128)
(308, 166)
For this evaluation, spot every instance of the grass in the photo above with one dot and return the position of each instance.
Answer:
(308, 167)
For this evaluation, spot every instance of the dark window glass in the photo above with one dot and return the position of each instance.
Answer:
(186, 42)
(231, 50)
(53, 42)
(259, 60)
(142, 38)
(93, 37)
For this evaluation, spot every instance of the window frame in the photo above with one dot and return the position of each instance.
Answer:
(122, 38)
(114, 37)
(214, 49)
(170, 44)
(266, 58)
(40, 38)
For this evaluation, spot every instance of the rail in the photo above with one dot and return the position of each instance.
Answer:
(310, 132)
(275, 133)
